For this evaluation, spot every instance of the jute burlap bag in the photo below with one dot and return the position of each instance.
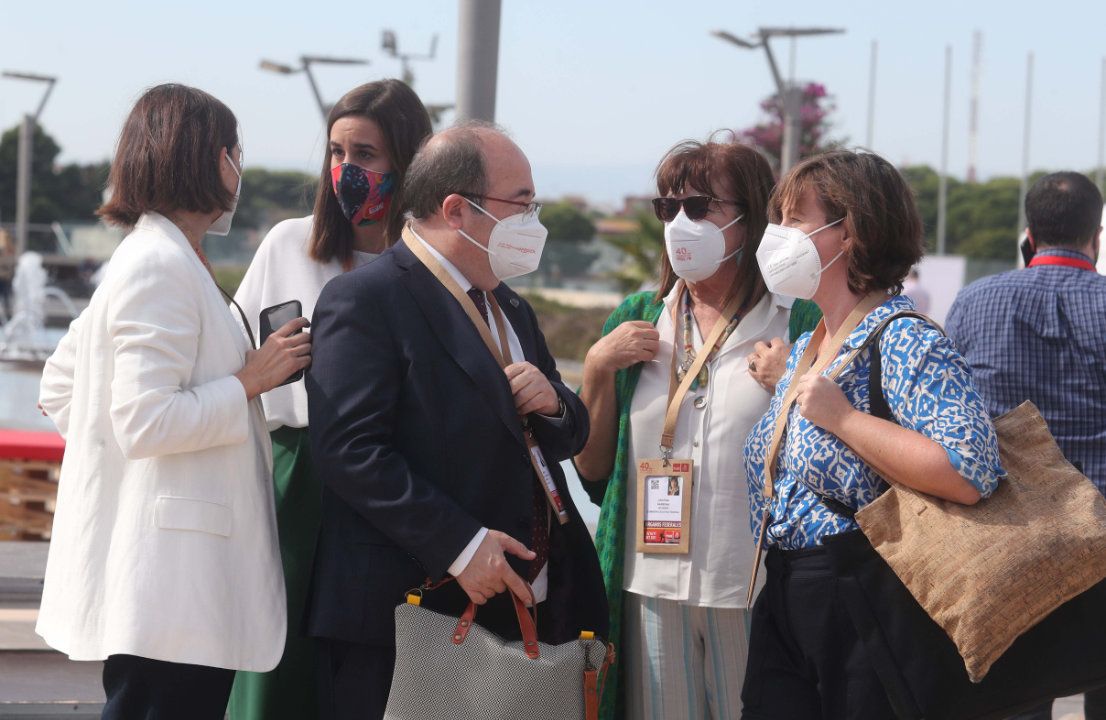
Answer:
(989, 572)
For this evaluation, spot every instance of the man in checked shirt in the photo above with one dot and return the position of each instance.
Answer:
(1039, 334)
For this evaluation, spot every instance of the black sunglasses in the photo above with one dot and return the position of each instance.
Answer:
(695, 207)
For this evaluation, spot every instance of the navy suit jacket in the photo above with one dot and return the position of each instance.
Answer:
(416, 440)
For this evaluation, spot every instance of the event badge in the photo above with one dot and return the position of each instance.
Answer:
(537, 459)
(663, 522)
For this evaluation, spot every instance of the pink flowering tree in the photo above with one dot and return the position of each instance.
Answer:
(768, 134)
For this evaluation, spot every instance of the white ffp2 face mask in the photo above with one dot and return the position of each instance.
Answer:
(515, 245)
(695, 248)
(789, 260)
(221, 226)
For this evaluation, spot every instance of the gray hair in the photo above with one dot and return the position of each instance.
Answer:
(452, 162)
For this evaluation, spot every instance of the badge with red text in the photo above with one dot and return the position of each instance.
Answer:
(541, 469)
(664, 506)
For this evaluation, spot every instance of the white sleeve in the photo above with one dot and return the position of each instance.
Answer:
(55, 392)
(154, 325)
(465, 557)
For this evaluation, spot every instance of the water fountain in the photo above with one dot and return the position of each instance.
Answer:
(23, 338)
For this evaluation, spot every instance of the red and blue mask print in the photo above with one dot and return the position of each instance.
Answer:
(364, 195)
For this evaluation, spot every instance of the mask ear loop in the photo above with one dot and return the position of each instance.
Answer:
(738, 250)
(468, 237)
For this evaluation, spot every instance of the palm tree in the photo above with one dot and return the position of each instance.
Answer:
(641, 251)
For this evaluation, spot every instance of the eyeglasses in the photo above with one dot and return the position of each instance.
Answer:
(695, 207)
(531, 209)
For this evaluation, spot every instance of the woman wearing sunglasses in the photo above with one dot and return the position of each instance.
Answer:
(848, 234)
(679, 618)
(372, 135)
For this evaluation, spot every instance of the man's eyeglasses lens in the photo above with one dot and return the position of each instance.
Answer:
(529, 210)
(695, 207)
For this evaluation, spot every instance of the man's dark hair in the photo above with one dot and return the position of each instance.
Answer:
(1063, 209)
(168, 156)
(453, 163)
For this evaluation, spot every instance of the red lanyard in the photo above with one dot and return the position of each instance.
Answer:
(1062, 260)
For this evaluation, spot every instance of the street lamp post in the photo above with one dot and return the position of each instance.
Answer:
(477, 59)
(390, 44)
(306, 61)
(790, 94)
(23, 163)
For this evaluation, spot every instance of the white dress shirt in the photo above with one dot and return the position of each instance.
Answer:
(540, 585)
(711, 429)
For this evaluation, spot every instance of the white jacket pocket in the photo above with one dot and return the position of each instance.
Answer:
(179, 513)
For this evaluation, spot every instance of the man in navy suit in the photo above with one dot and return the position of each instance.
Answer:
(417, 430)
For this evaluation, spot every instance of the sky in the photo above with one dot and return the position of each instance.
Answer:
(593, 91)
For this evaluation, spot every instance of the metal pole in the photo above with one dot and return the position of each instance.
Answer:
(1025, 142)
(943, 181)
(477, 59)
(872, 94)
(315, 89)
(1101, 132)
(792, 128)
(23, 183)
(791, 63)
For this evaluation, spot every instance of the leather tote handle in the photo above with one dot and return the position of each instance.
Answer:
(527, 623)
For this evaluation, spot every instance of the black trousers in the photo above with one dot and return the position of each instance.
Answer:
(142, 689)
(353, 679)
(805, 659)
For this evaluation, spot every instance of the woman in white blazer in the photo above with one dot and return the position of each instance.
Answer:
(163, 560)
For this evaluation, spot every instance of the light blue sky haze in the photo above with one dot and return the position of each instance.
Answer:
(594, 92)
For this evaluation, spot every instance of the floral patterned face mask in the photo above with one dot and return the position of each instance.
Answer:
(364, 195)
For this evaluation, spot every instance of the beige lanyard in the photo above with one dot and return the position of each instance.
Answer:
(502, 355)
(806, 364)
(678, 390)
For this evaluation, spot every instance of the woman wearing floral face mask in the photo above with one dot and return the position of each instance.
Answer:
(849, 233)
(679, 619)
(372, 134)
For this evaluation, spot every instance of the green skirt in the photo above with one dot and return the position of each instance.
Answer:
(288, 691)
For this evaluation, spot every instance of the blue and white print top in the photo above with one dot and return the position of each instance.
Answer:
(929, 389)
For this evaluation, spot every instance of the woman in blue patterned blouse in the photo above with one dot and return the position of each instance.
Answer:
(848, 234)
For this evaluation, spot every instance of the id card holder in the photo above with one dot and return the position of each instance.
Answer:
(663, 523)
(541, 469)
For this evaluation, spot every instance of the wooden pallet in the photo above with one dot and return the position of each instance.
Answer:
(28, 494)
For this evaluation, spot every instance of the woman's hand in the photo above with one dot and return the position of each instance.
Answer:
(285, 352)
(822, 402)
(767, 362)
(631, 342)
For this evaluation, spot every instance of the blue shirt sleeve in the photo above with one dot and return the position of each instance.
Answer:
(929, 389)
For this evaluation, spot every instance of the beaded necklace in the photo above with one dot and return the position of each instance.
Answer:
(689, 345)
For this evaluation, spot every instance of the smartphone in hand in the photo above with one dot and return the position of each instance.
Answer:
(274, 318)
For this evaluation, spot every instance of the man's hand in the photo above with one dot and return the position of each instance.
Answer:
(488, 573)
(532, 390)
(768, 361)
